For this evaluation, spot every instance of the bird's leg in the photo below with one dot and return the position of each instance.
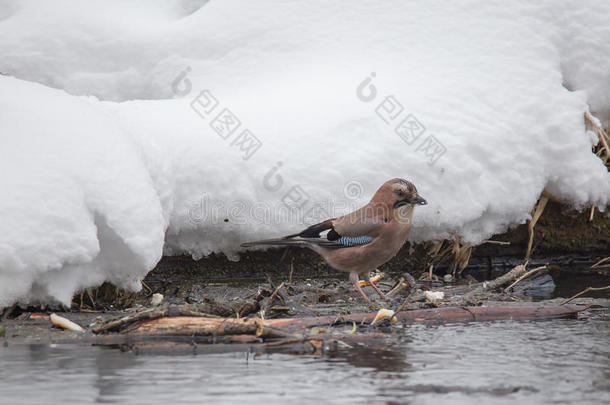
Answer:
(353, 277)
(373, 280)
(377, 290)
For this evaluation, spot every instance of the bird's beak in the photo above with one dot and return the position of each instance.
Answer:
(420, 201)
(416, 201)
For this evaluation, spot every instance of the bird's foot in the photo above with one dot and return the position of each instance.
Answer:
(378, 291)
(359, 289)
(371, 281)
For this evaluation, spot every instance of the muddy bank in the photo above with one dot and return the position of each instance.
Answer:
(331, 304)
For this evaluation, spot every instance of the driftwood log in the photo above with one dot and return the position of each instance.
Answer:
(294, 327)
(142, 333)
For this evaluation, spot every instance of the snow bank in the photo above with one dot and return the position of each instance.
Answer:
(78, 205)
(479, 104)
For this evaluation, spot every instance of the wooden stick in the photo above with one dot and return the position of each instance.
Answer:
(496, 242)
(410, 280)
(586, 290)
(498, 282)
(526, 275)
(199, 309)
(277, 290)
(397, 288)
(600, 262)
(291, 270)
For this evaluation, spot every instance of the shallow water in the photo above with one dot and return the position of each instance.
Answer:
(555, 361)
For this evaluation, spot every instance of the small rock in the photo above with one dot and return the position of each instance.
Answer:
(156, 299)
(448, 278)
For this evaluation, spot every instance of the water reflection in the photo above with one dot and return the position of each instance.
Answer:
(110, 366)
(390, 358)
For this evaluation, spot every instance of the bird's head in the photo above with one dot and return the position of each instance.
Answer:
(399, 193)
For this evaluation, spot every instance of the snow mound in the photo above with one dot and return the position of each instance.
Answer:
(78, 205)
(191, 126)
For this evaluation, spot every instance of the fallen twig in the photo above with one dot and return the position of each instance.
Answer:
(496, 242)
(209, 308)
(600, 262)
(497, 282)
(410, 280)
(272, 297)
(429, 276)
(400, 285)
(526, 275)
(291, 271)
(586, 290)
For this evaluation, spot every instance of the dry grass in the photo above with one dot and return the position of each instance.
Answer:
(106, 296)
(602, 150)
(459, 253)
(538, 210)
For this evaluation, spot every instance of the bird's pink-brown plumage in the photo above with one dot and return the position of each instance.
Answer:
(365, 239)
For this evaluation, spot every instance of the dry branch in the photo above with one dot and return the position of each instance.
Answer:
(526, 275)
(498, 282)
(209, 308)
(600, 262)
(586, 290)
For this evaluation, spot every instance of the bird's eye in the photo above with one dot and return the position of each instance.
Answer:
(400, 193)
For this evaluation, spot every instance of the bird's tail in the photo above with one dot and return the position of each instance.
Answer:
(286, 241)
(292, 240)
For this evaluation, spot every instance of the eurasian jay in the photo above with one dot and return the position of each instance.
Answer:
(359, 242)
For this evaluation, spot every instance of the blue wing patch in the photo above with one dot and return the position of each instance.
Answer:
(354, 241)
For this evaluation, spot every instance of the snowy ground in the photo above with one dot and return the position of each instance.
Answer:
(129, 129)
